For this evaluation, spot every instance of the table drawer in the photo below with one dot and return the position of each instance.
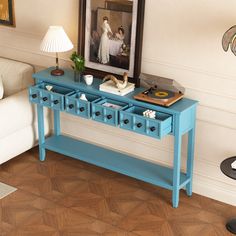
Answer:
(107, 111)
(55, 98)
(133, 119)
(80, 107)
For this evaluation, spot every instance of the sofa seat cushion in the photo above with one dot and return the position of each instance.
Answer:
(16, 76)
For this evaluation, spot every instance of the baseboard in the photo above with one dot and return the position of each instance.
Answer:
(212, 189)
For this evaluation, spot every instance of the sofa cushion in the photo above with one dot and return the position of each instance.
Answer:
(16, 113)
(1, 88)
(16, 76)
(19, 141)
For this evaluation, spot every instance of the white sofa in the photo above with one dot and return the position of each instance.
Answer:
(18, 121)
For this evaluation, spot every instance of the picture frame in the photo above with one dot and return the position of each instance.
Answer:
(116, 26)
(7, 16)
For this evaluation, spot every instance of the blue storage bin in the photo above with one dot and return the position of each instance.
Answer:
(133, 119)
(76, 106)
(54, 99)
(107, 111)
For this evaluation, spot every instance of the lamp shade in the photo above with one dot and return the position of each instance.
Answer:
(56, 40)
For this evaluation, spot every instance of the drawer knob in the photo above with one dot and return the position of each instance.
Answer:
(97, 113)
(109, 117)
(126, 121)
(81, 109)
(34, 95)
(71, 106)
(45, 99)
(139, 125)
(56, 102)
(153, 129)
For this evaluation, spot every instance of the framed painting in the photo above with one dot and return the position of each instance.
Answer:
(110, 37)
(7, 13)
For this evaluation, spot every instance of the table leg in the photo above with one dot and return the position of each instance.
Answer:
(190, 156)
(176, 169)
(40, 113)
(57, 128)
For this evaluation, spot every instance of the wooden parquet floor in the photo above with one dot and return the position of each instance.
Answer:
(66, 197)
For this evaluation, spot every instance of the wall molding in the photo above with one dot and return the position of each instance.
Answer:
(223, 190)
(38, 53)
(216, 75)
(233, 127)
(4, 42)
(213, 115)
(204, 187)
(37, 58)
(20, 33)
(218, 109)
(152, 144)
(206, 91)
(45, 58)
(217, 124)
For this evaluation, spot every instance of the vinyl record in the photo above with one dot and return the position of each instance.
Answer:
(161, 94)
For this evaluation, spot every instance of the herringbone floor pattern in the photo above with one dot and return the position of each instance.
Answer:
(66, 197)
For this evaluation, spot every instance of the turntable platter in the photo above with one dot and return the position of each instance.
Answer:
(160, 94)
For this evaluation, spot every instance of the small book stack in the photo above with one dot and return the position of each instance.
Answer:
(109, 87)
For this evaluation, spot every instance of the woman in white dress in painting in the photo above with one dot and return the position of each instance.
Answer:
(103, 51)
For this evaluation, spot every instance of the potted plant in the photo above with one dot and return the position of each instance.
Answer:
(78, 66)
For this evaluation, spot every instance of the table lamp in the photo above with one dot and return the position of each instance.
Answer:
(56, 41)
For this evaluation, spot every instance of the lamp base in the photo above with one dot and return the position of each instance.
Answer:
(57, 72)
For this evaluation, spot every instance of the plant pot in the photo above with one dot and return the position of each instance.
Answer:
(77, 76)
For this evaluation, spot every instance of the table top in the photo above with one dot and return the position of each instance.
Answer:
(68, 80)
(226, 168)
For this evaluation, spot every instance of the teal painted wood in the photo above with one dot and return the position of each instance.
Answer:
(115, 161)
(177, 163)
(175, 120)
(53, 99)
(190, 154)
(57, 126)
(133, 119)
(76, 106)
(41, 133)
(67, 80)
(107, 115)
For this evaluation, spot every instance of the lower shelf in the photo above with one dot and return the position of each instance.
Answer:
(115, 161)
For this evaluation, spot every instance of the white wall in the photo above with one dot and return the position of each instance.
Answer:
(182, 40)
(32, 21)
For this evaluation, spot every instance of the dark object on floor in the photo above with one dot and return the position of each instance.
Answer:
(231, 226)
(231, 173)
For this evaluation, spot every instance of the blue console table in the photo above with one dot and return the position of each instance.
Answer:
(175, 120)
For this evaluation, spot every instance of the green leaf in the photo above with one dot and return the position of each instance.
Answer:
(79, 62)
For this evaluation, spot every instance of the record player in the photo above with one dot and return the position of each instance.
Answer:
(159, 90)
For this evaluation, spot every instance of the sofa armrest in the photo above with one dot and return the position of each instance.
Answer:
(16, 76)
